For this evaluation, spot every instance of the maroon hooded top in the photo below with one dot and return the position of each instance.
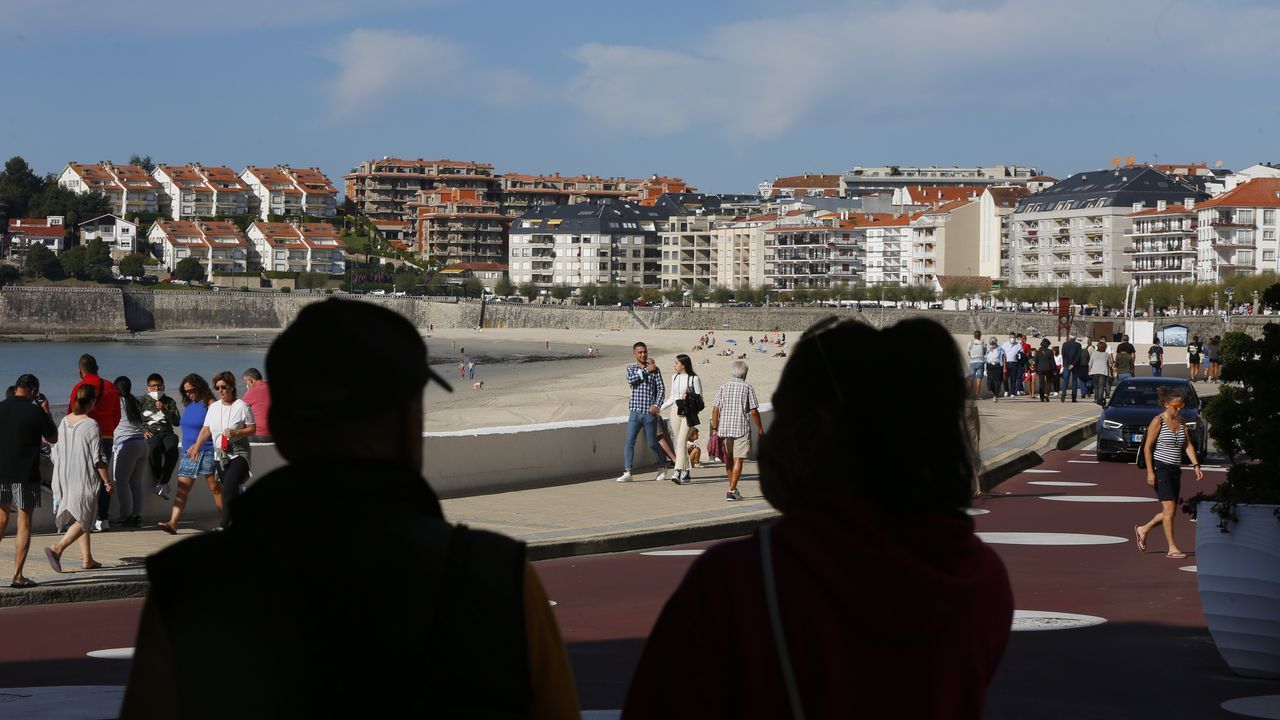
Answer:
(884, 616)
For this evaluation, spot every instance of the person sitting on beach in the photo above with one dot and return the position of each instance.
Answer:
(695, 452)
(464, 630)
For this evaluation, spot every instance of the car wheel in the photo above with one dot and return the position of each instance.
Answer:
(1105, 457)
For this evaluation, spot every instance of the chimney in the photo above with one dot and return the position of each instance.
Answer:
(1161, 205)
(1189, 203)
(1138, 206)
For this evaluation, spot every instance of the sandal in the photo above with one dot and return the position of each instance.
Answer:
(167, 528)
(23, 583)
(54, 561)
(94, 566)
(1175, 555)
(1137, 535)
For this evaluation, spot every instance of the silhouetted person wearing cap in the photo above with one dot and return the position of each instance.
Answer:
(394, 613)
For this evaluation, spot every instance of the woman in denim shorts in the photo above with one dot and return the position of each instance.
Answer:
(196, 399)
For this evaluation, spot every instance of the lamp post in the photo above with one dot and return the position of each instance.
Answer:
(1181, 300)
(1255, 302)
(1231, 296)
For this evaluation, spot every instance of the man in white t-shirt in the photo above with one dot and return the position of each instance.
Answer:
(1012, 366)
(976, 350)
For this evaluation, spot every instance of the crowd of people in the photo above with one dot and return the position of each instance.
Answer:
(113, 446)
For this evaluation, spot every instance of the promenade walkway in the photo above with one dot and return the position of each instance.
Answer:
(571, 519)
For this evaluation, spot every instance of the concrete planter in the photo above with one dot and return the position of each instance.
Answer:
(1239, 578)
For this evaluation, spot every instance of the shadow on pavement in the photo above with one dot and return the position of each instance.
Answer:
(1117, 670)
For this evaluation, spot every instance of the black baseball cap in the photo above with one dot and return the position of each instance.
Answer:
(320, 364)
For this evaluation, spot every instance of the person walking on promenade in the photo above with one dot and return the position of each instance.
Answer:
(684, 384)
(471, 369)
(1086, 354)
(106, 413)
(230, 424)
(976, 351)
(643, 407)
(159, 416)
(1100, 369)
(1124, 361)
(1029, 362)
(24, 425)
(79, 473)
(735, 403)
(1193, 358)
(995, 368)
(1013, 360)
(465, 629)
(129, 470)
(196, 399)
(942, 604)
(1213, 353)
(258, 397)
(1165, 443)
(1155, 358)
(1046, 366)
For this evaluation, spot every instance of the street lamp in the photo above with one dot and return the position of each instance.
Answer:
(1231, 294)
(1180, 304)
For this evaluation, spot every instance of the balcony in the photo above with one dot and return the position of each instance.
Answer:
(1224, 245)
(1228, 223)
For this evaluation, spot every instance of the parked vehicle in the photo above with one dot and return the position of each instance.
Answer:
(1122, 424)
(379, 293)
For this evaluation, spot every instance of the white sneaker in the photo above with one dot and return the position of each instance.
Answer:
(624, 477)
(101, 526)
(662, 475)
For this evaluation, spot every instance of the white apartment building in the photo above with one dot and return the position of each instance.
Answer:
(195, 191)
(114, 230)
(862, 180)
(297, 247)
(1162, 243)
(1075, 232)
(739, 249)
(887, 243)
(129, 188)
(1237, 231)
(219, 246)
(283, 190)
(25, 232)
(601, 242)
(689, 252)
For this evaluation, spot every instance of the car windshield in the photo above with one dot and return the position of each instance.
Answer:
(1148, 395)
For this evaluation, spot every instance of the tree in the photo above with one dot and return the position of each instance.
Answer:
(801, 295)
(18, 184)
(142, 161)
(504, 287)
(132, 265)
(674, 294)
(1271, 297)
(189, 269)
(721, 295)
(73, 262)
(589, 294)
(629, 292)
(309, 280)
(651, 295)
(608, 294)
(41, 262)
(406, 278)
(746, 293)
(699, 292)
(472, 287)
(9, 274)
(561, 292)
(529, 290)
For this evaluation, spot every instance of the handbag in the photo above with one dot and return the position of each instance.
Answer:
(715, 446)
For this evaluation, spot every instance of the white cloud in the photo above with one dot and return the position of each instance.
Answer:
(387, 67)
(901, 62)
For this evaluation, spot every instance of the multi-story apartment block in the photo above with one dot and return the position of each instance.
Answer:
(1162, 243)
(25, 232)
(813, 250)
(739, 248)
(603, 242)
(120, 234)
(487, 273)
(129, 188)
(887, 243)
(284, 190)
(690, 243)
(196, 191)
(296, 247)
(382, 189)
(522, 193)
(219, 246)
(863, 180)
(1075, 231)
(807, 185)
(458, 225)
(1237, 231)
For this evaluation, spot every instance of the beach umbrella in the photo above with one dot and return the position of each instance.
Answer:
(732, 341)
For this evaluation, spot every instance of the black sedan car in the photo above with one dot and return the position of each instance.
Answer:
(1123, 422)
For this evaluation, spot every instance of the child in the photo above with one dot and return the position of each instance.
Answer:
(695, 452)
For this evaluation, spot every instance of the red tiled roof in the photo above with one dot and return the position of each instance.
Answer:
(925, 194)
(1174, 209)
(36, 227)
(1259, 192)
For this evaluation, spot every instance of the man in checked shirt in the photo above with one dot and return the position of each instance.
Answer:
(647, 390)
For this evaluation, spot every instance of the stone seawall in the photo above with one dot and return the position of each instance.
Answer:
(89, 311)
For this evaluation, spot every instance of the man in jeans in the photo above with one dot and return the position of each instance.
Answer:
(1074, 369)
(1013, 365)
(735, 401)
(977, 351)
(106, 411)
(647, 390)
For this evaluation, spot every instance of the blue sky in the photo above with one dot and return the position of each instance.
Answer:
(724, 94)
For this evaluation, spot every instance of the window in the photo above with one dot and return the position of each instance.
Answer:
(1268, 217)
(1244, 217)
(1268, 234)
(1268, 255)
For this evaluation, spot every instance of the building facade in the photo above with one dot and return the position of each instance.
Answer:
(129, 188)
(1162, 244)
(1237, 231)
(219, 246)
(50, 232)
(120, 234)
(458, 225)
(863, 180)
(383, 189)
(602, 242)
(287, 191)
(195, 191)
(296, 247)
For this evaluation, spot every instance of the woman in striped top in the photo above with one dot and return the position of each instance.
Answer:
(1165, 442)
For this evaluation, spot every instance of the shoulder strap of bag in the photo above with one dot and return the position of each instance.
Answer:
(775, 620)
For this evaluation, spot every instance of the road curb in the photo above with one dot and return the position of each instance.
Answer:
(649, 538)
(52, 594)
(1061, 440)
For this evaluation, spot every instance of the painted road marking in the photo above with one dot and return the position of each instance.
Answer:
(1207, 468)
(1041, 472)
(601, 714)
(1188, 568)
(1259, 706)
(1084, 462)
(1099, 498)
(976, 511)
(1034, 620)
(1062, 483)
(62, 701)
(552, 602)
(673, 553)
(112, 654)
(1035, 538)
